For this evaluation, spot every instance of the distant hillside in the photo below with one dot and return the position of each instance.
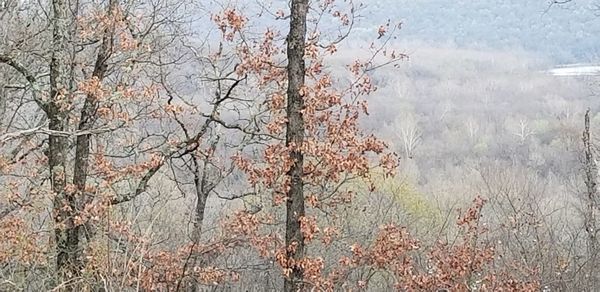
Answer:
(565, 34)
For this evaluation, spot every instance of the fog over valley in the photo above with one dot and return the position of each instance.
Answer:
(296, 145)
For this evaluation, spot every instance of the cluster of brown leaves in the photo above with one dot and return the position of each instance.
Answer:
(136, 263)
(466, 265)
(165, 270)
(93, 23)
(18, 244)
(230, 22)
(244, 228)
(112, 173)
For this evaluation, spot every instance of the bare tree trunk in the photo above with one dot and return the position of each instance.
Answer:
(295, 137)
(202, 192)
(68, 259)
(591, 173)
(201, 198)
(203, 188)
(2, 104)
(88, 118)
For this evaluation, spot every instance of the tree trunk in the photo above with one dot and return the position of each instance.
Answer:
(88, 118)
(295, 137)
(591, 208)
(202, 192)
(68, 258)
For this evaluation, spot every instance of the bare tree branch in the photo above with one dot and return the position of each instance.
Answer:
(10, 61)
(41, 130)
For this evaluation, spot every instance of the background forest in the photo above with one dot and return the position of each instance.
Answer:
(145, 146)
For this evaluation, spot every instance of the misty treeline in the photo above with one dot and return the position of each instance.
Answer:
(561, 29)
(172, 145)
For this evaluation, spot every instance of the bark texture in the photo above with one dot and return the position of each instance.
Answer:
(591, 208)
(68, 258)
(295, 137)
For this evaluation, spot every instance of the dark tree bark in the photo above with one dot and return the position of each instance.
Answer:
(88, 118)
(591, 208)
(68, 258)
(295, 137)
(203, 187)
(66, 205)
